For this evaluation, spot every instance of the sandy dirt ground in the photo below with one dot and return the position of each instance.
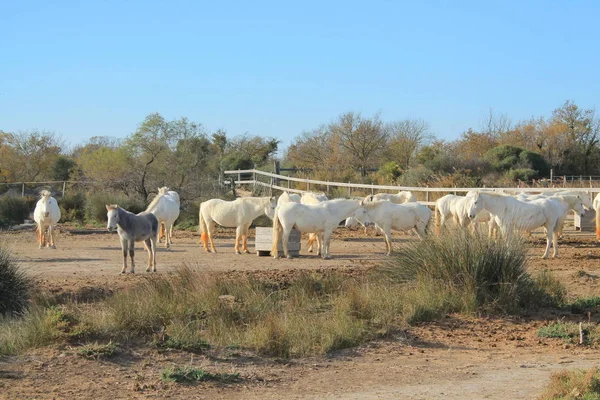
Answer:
(455, 358)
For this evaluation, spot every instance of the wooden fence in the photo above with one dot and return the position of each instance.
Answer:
(280, 182)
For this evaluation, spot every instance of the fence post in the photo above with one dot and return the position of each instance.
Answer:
(23, 190)
(239, 176)
(372, 189)
(254, 182)
(349, 191)
(427, 195)
(329, 193)
(308, 185)
(64, 187)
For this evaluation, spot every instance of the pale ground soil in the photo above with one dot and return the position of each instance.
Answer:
(455, 358)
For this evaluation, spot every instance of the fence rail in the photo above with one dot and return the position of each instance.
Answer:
(275, 179)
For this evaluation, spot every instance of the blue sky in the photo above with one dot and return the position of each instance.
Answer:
(276, 68)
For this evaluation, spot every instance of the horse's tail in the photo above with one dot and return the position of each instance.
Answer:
(598, 223)
(203, 230)
(438, 217)
(276, 234)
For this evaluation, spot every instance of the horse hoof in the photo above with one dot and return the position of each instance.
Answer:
(237, 252)
(289, 257)
(53, 247)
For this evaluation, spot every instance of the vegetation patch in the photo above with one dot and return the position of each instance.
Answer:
(96, 350)
(15, 285)
(569, 332)
(191, 374)
(579, 306)
(579, 384)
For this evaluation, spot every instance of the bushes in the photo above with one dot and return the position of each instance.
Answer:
(72, 207)
(15, 286)
(13, 210)
(468, 271)
(576, 384)
(95, 207)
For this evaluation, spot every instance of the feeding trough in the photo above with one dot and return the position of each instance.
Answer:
(264, 241)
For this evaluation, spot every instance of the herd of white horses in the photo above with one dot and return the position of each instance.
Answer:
(315, 214)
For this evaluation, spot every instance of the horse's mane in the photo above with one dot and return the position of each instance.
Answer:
(155, 201)
(45, 193)
(495, 194)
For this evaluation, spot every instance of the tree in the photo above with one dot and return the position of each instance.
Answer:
(364, 139)
(581, 128)
(62, 168)
(406, 137)
(31, 155)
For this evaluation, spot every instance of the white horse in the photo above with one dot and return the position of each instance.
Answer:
(452, 206)
(400, 217)
(313, 198)
(175, 197)
(401, 197)
(134, 228)
(166, 209)
(596, 206)
(321, 218)
(513, 214)
(585, 200)
(238, 213)
(46, 214)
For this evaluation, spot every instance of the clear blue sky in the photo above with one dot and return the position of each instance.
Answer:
(273, 68)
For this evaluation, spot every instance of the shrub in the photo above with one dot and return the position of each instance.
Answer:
(577, 384)
(95, 208)
(13, 210)
(15, 285)
(470, 270)
(524, 174)
(72, 207)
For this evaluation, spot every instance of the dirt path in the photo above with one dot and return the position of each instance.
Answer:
(455, 358)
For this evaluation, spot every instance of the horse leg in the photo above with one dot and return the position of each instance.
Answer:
(326, 239)
(388, 241)
(311, 242)
(210, 227)
(319, 239)
(239, 231)
(40, 236)
(548, 242)
(124, 247)
(153, 242)
(51, 237)
(245, 239)
(148, 247)
(131, 254)
(285, 236)
(165, 229)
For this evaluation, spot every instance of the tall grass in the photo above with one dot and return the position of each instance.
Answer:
(466, 272)
(15, 285)
(315, 313)
(576, 384)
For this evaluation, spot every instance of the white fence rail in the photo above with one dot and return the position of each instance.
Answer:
(274, 178)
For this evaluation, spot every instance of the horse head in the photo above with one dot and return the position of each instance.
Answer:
(46, 201)
(474, 205)
(113, 216)
(270, 207)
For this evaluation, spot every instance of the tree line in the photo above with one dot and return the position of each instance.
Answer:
(186, 157)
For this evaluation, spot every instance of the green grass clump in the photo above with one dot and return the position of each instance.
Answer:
(13, 210)
(582, 305)
(15, 285)
(464, 271)
(569, 331)
(191, 374)
(573, 385)
(96, 350)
